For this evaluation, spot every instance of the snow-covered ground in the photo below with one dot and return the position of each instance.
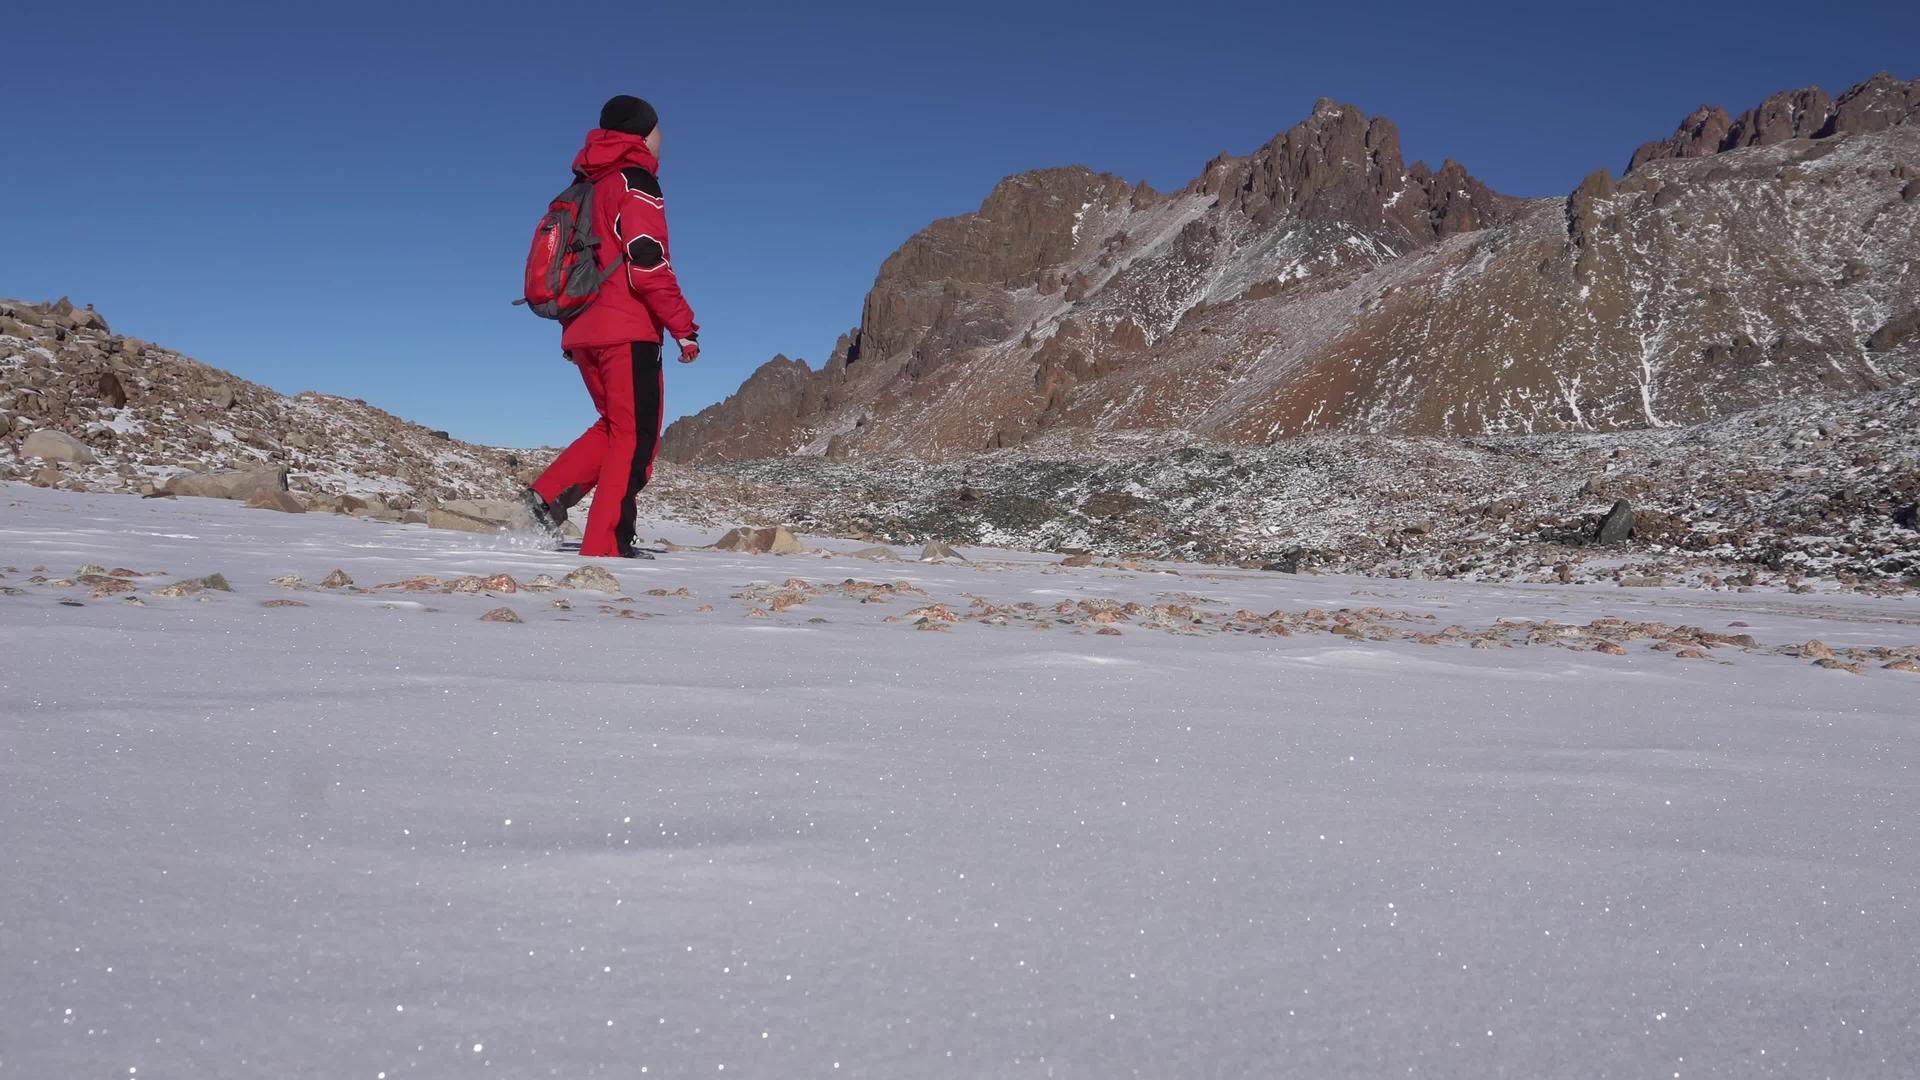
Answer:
(375, 836)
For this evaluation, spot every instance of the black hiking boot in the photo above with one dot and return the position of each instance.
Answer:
(548, 517)
(632, 552)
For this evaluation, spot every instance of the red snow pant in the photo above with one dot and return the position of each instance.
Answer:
(615, 455)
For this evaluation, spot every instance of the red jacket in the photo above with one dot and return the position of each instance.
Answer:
(641, 301)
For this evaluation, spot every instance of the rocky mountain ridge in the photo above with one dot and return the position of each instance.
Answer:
(1808, 113)
(1320, 284)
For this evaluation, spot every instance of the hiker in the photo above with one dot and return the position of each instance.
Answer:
(616, 341)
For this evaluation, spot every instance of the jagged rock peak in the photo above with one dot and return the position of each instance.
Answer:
(1808, 113)
(1341, 165)
(780, 397)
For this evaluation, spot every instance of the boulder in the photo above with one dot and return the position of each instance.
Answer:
(502, 513)
(112, 390)
(1896, 331)
(284, 501)
(769, 541)
(50, 445)
(238, 484)
(935, 551)
(1617, 526)
(441, 518)
(221, 397)
(876, 554)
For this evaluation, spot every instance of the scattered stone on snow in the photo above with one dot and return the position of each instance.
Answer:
(774, 540)
(592, 578)
(192, 586)
(936, 551)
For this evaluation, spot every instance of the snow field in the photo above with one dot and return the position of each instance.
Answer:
(378, 836)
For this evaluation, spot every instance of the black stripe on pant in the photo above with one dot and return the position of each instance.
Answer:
(648, 401)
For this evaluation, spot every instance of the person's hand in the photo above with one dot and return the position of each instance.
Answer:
(689, 350)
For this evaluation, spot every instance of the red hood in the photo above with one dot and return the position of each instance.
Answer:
(609, 151)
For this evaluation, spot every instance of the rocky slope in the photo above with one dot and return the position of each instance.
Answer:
(120, 414)
(1813, 488)
(1322, 285)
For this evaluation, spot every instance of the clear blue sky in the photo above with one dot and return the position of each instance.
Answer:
(338, 196)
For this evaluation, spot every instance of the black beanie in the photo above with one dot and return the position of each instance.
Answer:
(629, 114)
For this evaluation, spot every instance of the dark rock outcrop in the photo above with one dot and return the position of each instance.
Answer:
(1617, 526)
(1875, 105)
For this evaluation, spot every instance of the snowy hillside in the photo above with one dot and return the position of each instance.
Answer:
(836, 815)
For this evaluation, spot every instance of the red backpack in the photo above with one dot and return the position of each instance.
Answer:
(563, 267)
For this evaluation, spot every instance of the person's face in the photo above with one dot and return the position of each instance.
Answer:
(653, 141)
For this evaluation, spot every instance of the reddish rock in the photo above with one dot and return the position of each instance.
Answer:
(284, 501)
